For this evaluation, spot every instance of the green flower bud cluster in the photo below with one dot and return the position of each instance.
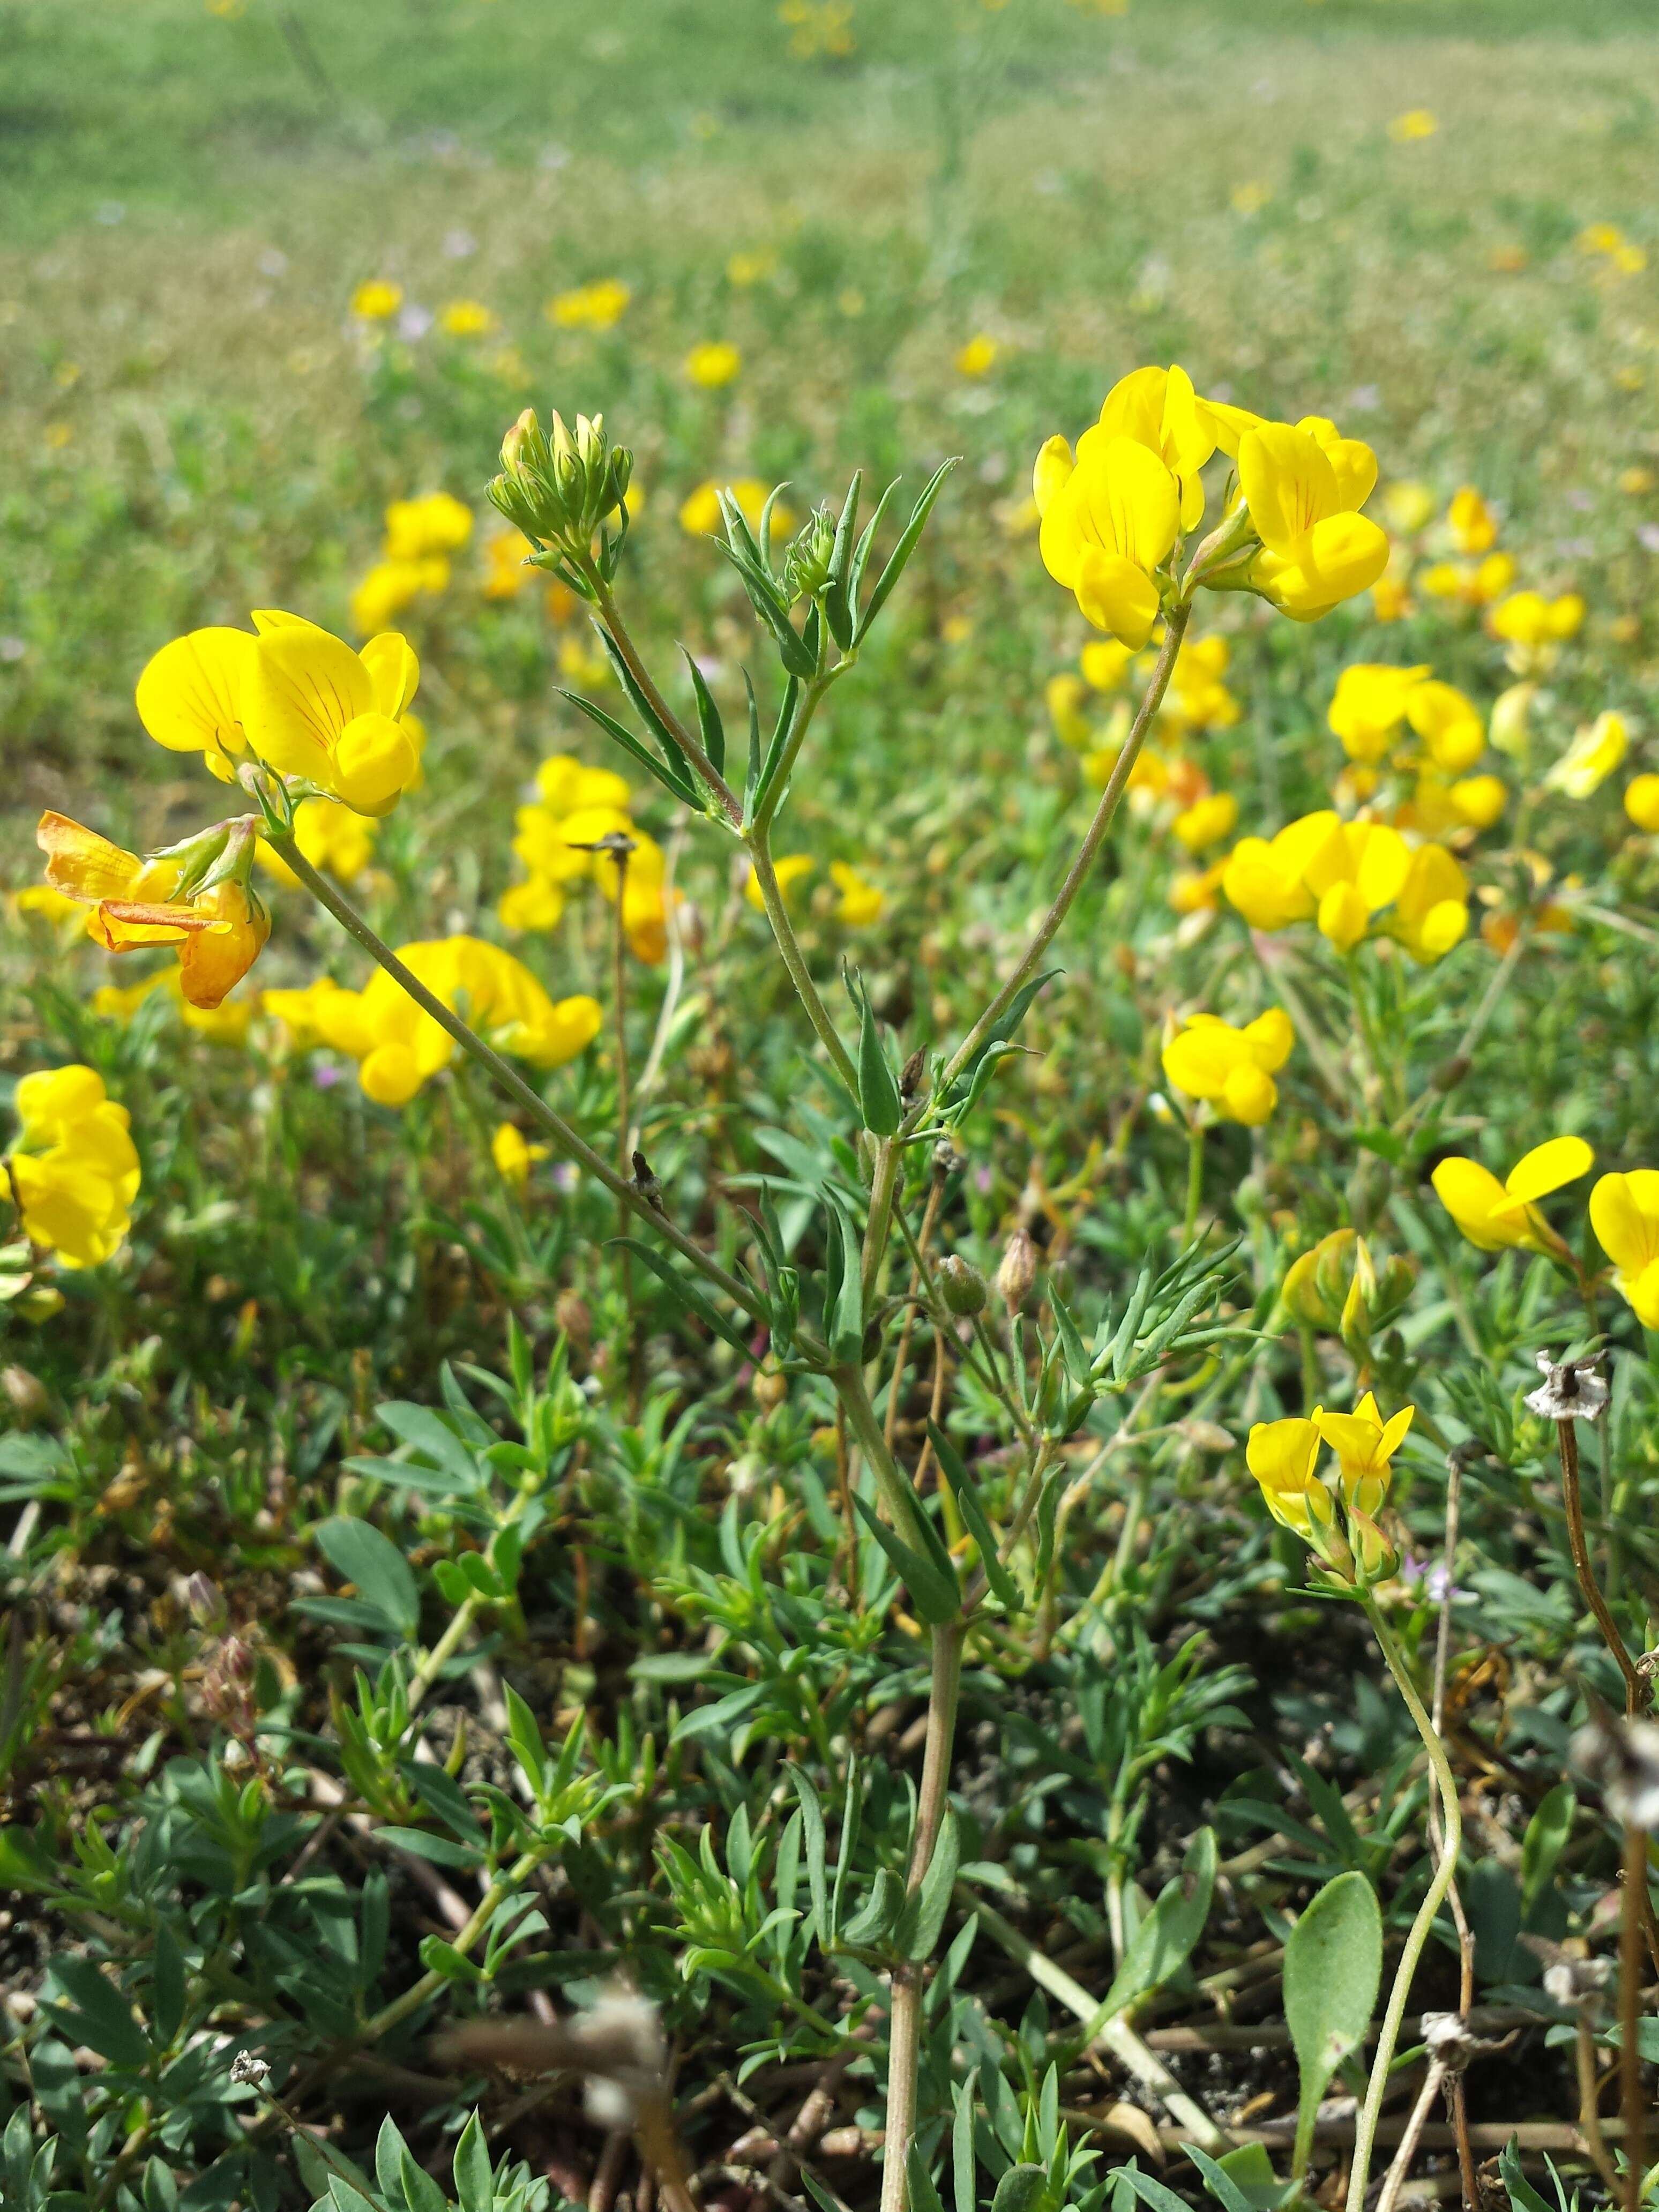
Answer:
(558, 488)
(807, 563)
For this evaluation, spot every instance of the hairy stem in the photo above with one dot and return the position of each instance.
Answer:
(904, 2029)
(766, 876)
(1446, 1782)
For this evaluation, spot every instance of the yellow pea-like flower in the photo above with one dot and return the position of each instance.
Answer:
(75, 1171)
(513, 1156)
(1591, 758)
(1470, 522)
(1305, 486)
(713, 364)
(1231, 1069)
(1368, 705)
(1498, 1217)
(1282, 1456)
(1479, 800)
(314, 707)
(1642, 802)
(1206, 821)
(1449, 724)
(861, 903)
(1431, 909)
(1623, 1210)
(192, 696)
(1365, 1444)
(597, 307)
(1108, 526)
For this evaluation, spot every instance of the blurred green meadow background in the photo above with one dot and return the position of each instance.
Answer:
(191, 423)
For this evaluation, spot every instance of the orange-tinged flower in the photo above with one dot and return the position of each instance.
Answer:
(1498, 1217)
(219, 933)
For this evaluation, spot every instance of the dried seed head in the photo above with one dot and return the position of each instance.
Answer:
(245, 2066)
(1570, 1391)
(1623, 1756)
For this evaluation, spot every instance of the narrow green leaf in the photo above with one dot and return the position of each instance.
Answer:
(907, 545)
(676, 778)
(710, 728)
(1166, 1937)
(933, 1898)
(935, 1599)
(167, 2001)
(860, 560)
(779, 742)
(675, 1284)
(475, 2184)
(954, 1468)
(879, 1106)
(812, 1811)
(440, 1957)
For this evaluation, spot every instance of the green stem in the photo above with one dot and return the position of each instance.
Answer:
(806, 990)
(507, 1077)
(698, 759)
(1446, 1782)
(903, 1509)
(904, 2023)
(1195, 1182)
(1077, 874)
(889, 1155)
(429, 1984)
(450, 1642)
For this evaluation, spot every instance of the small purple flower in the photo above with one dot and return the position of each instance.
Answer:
(325, 1075)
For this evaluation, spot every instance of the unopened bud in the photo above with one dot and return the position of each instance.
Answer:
(806, 564)
(206, 1600)
(1018, 1271)
(770, 1389)
(963, 1284)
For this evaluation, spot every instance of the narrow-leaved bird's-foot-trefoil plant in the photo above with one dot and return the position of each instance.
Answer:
(831, 1269)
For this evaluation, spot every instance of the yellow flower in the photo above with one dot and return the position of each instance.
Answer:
(192, 694)
(1109, 520)
(1250, 197)
(1065, 695)
(397, 1045)
(1479, 800)
(467, 319)
(1282, 1456)
(978, 357)
(1498, 1216)
(504, 573)
(1535, 627)
(1471, 583)
(111, 1002)
(219, 933)
(1197, 699)
(377, 300)
(713, 364)
(50, 905)
(1368, 705)
(565, 786)
(1231, 1069)
(1408, 505)
(1105, 663)
(1600, 238)
(1416, 123)
(537, 903)
(1206, 821)
(1304, 486)
(596, 307)
(331, 836)
(861, 903)
(1471, 523)
(514, 1158)
(1448, 724)
(1624, 1212)
(789, 868)
(434, 524)
(744, 270)
(1342, 872)
(1642, 802)
(312, 707)
(699, 515)
(1592, 757)
(227, 1024)
(1364, 1443)
(1391, 599)
(382, 593)
(1431, 910)
(78, 1173)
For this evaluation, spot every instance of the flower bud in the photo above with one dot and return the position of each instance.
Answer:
(1018, 1271)
(770, 1389)
(963, 1284)
(206, 1600)
(25, 1393)
(806, 564)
